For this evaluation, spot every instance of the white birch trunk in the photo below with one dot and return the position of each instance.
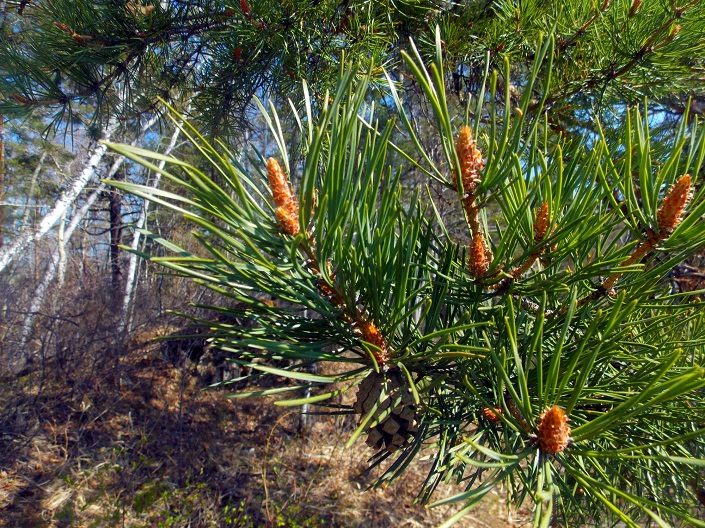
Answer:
(131, 276)
(62, 249)
(41, 291)
(8, 253)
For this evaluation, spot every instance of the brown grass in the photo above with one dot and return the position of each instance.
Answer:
(153, 449)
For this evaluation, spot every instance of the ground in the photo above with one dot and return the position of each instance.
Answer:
(143, 445)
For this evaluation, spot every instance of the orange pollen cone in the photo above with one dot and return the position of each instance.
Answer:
(669, 214)
(371, 334)
(554, 431)
(541, 223)
(288, 221)
(287, 211)
(478, 263)
(492, 415)
(470, 159)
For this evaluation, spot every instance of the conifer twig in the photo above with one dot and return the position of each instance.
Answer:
(540, 230)
(668, 217)
(565, 44)
(287, 215)
(471, 164)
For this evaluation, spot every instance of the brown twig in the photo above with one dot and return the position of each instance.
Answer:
(610, 73)
(540, 231)
(467, 182)
(581, 31)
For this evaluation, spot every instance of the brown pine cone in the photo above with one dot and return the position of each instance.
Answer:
(395, 419)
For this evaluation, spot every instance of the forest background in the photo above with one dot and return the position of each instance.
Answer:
(100, 423)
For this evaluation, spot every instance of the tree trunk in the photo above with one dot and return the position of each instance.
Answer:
(8, 253)
(3, 8)
(41, 291)
(61, 244)
(132, 266)
(2, 181)
(30, 195)
(115, 206)
(52, 268)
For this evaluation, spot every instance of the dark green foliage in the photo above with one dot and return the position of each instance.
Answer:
(122, 56)
(625, 366)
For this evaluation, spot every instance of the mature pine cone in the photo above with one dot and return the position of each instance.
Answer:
(394, 420)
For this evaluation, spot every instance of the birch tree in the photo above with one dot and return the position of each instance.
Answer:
(59, 251)
(66, 200)
(30, 193)
(50, 273)
(131, 276)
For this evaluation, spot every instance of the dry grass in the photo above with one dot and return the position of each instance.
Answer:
(152, 449)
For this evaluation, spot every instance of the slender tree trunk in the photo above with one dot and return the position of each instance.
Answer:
(2, 181)
(24, 226)
(30, 195)
(115, 207)
(61, 244)
(41, 290)
(132, 266)
(9, 252)
(35, 250)
(3, 8)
